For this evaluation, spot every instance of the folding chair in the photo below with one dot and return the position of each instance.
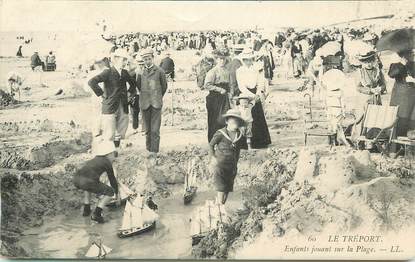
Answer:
(309, 122)
(408, 146)
(382, 117)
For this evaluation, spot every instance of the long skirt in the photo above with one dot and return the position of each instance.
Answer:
(225, 172)
(260, 133)
(297, 65)
(216, 105)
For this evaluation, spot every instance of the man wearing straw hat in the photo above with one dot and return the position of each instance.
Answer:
(87, 178)
(115, 96)
(153, 88)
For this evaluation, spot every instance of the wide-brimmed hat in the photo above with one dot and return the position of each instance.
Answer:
(233, 113)
(103, 147)
(247, 53)
(147, 52)
(245, 96)
(366, 56)
(221, 52)
(120, 53)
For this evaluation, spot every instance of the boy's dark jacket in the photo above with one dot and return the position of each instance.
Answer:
(115, 89)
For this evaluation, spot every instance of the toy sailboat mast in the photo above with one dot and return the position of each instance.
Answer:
(138, 218)
(98, 250)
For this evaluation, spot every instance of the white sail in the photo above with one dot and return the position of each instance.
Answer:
(124, 191)
(96, 251)
(191, 174)
(132, 217)
(126, 219)
(136, 217)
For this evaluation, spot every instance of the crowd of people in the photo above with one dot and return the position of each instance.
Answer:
(235, 69)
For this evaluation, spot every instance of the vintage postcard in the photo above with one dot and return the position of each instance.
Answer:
(207, 130)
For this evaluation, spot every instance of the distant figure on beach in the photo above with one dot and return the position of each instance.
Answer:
(51, 62)
(36, 61)
(14, 82)
(19, 52)
(51, 59)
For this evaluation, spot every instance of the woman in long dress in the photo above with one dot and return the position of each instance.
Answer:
(217, 82)
(403, 95)
(252, 82)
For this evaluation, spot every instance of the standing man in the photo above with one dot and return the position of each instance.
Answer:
(153, 88)
(134, 102)
(114, 96)
(167, 64)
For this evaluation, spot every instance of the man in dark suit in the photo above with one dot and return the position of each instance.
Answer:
(153, 88)
(167, 64)
(35, 61)
(114, 96)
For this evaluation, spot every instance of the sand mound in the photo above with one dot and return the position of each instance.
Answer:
(37, 144)
(335, 191)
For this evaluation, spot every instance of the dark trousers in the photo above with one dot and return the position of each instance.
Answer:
(151, 123)
(41, 64)
(134, 111)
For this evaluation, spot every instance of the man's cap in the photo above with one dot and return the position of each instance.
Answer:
(147, 52)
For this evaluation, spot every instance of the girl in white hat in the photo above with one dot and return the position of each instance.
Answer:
(225, 148)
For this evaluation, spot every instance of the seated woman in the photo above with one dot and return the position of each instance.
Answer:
(88, 179)
(51, 62)
(403, 95)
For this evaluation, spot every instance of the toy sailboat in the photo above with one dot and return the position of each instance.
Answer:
(98, 250)
(190, 187)
(206, 218)
(125, 193)
(138, 218)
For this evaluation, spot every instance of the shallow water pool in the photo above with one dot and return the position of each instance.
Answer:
(70, 236)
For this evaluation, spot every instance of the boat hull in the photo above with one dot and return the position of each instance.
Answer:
(189, 195)
(196, 238)
(136, 231)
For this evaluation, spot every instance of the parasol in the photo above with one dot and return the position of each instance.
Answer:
(330, 48)
(397, 40)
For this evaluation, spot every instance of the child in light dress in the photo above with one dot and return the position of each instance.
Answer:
(334, 82)
(246, 103)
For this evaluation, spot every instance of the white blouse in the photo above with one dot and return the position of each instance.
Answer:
(249, 78)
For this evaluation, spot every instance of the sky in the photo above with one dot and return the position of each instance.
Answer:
(54, 15)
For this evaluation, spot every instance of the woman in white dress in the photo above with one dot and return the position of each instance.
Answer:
(251, 82)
